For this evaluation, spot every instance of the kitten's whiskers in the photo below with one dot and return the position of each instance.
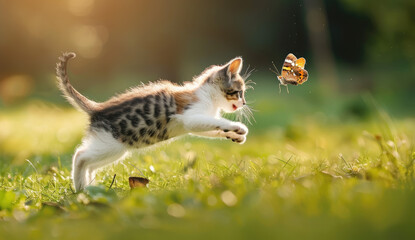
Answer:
(245, 114)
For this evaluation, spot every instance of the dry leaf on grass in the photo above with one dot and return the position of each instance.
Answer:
(138, 182)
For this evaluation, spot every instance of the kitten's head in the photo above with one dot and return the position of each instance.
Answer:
(231, 86)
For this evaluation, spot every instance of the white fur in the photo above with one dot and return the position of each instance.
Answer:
(203, 118)
(97, 150)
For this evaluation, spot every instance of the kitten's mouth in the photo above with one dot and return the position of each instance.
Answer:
(234, 107)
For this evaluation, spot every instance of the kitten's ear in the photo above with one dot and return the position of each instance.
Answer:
(234, 66)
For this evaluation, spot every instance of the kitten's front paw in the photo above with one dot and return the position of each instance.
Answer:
(237, 127)
(236, 138)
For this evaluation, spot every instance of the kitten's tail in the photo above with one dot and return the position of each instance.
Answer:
(71, 94)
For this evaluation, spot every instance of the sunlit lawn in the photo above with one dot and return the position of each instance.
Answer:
(309, 178)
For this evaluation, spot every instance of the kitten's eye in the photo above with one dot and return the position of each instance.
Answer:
(232, 92)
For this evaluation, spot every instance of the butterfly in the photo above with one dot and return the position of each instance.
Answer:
(293, 71)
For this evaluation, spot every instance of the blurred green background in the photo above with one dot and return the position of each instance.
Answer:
(351, 46)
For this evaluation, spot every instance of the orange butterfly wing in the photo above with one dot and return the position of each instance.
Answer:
(300, 72)
(293, 70)
(302, 75)
(290, 58)
(288, 65)
(300, 63)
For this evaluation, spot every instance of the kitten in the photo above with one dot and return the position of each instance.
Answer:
(153, 113)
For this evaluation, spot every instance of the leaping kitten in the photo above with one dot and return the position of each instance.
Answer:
(153, 113)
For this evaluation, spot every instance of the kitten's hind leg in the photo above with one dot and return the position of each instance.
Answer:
(98, 149)
(79, 170)
(106, 160)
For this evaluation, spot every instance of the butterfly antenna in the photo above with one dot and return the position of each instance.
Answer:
(276, 69)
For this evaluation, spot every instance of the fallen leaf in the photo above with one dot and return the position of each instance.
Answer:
(137, 182)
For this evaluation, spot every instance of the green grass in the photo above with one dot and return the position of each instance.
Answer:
(308, 175)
